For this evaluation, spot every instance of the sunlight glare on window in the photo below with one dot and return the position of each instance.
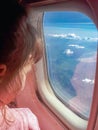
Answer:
(71, 50)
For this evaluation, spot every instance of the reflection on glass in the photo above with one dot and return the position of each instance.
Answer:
(71, 47)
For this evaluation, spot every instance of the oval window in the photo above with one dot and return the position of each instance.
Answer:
(71, 51)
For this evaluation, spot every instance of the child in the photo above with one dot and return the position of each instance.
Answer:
(19, 48)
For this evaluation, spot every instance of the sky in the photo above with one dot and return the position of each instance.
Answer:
(69, 22)
(66, 17)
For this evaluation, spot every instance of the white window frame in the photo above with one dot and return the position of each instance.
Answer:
(68, 117)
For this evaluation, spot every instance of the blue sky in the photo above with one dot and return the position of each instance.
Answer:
(66, 17)
(69, 22)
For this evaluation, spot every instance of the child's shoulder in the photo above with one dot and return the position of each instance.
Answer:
(23, 119)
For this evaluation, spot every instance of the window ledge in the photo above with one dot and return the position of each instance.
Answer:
(68, 117)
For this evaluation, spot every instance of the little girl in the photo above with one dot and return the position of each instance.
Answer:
(19, 48)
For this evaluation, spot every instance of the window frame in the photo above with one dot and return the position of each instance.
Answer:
(68, 117)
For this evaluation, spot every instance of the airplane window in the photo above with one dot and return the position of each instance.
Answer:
(71, 51)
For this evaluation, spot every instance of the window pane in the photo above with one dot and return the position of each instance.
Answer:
(71, 48)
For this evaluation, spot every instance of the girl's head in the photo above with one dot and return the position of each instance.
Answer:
(19, 42)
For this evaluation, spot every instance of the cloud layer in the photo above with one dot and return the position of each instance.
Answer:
(76, 46)
(73, 36)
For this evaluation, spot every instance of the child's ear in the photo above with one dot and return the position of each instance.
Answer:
(3, 69)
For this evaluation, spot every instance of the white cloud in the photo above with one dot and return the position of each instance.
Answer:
(73, 36)
(67, 36)
(68, 52)
(58, 35)
(86, 80)
(77, 46)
